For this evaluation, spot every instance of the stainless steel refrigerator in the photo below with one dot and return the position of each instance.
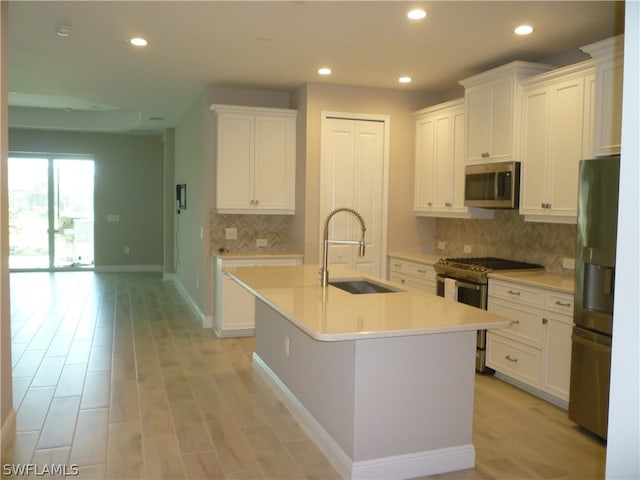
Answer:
(595, 285)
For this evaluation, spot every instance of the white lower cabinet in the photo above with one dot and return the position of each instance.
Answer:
(420, 276)
(536, 350)
(235, 306)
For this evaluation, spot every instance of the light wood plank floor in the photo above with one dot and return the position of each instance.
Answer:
(112, 373)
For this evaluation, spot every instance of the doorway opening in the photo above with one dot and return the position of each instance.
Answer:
(50, 212)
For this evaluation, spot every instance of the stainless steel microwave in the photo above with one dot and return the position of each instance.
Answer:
(492, 185)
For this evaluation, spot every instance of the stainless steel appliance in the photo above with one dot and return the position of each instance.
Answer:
(595, 285)
(492, 185)
(465, 280)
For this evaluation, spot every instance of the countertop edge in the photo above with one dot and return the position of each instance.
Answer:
(248, 255)
(334, 337)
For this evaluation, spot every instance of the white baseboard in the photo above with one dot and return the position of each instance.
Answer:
(205, 320)
(127, 268)
(412, 465)
(8, 429)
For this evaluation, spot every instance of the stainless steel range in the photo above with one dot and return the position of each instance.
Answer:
(465, 280)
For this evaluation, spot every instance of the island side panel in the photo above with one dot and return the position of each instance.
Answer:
(414, 394)
(319, 374)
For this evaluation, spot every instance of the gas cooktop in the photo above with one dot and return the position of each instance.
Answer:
(477, 268)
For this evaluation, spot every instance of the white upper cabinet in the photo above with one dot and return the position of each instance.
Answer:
(255, 159)
(608, 57)
(439, 162)
(556, 135)
(492, 108)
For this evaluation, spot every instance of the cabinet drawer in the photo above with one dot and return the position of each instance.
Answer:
(418, 270)
(514, 359)
(414, 282)
(517, 293)
(559, 302)
(526, 322)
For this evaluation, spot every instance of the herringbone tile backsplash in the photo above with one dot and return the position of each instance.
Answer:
(273, 228)
(507, 235)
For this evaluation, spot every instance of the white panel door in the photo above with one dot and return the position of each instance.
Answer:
(353, 175)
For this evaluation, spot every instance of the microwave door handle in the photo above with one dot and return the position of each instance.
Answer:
(496, 187)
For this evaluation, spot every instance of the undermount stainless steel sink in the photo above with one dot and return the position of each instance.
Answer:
(359, 286)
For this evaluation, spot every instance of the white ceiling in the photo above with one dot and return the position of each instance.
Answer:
(94, 80)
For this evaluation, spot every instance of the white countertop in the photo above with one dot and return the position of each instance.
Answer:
(564, 283)
(255, 254)
(331, 314)
(420, 257)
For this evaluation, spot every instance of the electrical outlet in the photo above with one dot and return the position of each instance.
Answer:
(127, 250)
(112, 217)
(569, 263)
(467, 249)
(261, 242)
(441, 245)
(231, 233)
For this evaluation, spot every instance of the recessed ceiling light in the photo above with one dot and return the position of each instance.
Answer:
(324, 71)
(523, 30)
(404, 79)
(138, 42)
(416, 14)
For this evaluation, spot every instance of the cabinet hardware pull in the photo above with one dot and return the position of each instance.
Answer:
(429, 204)
(515, 322)
(257, 202)
(398, 265)
(402, 280)
(545, 321)
(421, 271)
(252, 202)
(542, 205)
(508, 357)
(563, 304)
(511, 292)
(447, 204)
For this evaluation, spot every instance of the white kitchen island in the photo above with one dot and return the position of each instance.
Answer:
(382, 382)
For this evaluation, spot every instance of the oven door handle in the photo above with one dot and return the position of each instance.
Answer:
(460, 283)
(469, 286)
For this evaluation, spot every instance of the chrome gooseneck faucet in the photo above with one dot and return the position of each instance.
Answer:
(325, 272)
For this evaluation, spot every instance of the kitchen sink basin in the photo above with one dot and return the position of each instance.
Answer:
(360, 286)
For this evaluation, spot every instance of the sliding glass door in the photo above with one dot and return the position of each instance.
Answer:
(50, 213)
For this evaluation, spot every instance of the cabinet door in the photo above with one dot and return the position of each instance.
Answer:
(534, 151)
(557, 351)
(608, 111)
(423, 195)
(478, 112)
(238, 308)
(443, 146)
(273, 172)
(502, 120)
(234, 161)
(566, 130)
(458, 142)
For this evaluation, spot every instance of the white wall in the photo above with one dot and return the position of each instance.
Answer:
(6, 394)
(623, 447)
